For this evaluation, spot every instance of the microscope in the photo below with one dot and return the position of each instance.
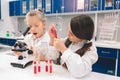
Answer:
(22, 61)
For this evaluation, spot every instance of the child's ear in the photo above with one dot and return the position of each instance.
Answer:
(44, 24)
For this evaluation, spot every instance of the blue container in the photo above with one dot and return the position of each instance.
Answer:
(108, 5)
(70, 5)
(14, 8)
(95, 5)
(57, 6)
(47, 6)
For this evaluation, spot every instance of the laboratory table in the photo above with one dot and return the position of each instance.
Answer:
(7, 72)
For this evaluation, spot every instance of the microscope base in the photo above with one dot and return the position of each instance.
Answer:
(22, 63)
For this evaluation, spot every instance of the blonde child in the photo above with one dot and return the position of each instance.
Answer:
(35, 20)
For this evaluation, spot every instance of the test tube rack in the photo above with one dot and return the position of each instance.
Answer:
(48, 67)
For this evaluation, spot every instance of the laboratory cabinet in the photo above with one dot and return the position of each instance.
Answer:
(107, 61)
(115, 4)
(58, 6)
(38, 4)
(69, 5)
(21, 7)
(62, 6)
(25, 6)
(32, 4)
(108, 5)
(118, 70)
(65, 6)
(7, 41)
(14, 8)
(48, 6)
(95, 5)
(83, 5)
(107, 52)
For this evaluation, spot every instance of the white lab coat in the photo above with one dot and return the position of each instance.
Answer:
(37, 43)
(79, 66)
(41, 46)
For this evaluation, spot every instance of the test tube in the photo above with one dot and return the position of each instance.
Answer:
(46, 67)
(39, 68)
(35, 67)
(54, 32)
(50, 61)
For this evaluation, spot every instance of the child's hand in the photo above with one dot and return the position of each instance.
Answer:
(18, 53)
(59, 44)
(52, 33)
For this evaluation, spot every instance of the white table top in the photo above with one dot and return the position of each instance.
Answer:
(106, 44)
(7, 72)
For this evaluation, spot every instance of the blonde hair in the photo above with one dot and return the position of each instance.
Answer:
(37, 12)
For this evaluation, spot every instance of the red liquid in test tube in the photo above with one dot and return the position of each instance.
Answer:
(46, 67)
(35, 67)
(55, 33)
(50, 65)
(39, 68)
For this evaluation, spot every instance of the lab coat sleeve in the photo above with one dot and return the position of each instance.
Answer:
(79, 66)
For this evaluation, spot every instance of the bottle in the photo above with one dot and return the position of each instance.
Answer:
(7, 34)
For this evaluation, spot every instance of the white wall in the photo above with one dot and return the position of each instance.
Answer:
(7, 23)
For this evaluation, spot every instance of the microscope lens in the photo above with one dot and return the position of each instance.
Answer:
(30, 52)
(20, 58)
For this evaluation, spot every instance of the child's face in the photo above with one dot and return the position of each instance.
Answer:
(71, 36)
(37, 27)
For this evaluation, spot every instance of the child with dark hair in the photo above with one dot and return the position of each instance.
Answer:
(78, 52)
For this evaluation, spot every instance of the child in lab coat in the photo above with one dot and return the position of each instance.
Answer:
(77, 52)
(35, 20)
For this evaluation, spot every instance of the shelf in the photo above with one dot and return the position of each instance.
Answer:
(83, 12)
(77, 13)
